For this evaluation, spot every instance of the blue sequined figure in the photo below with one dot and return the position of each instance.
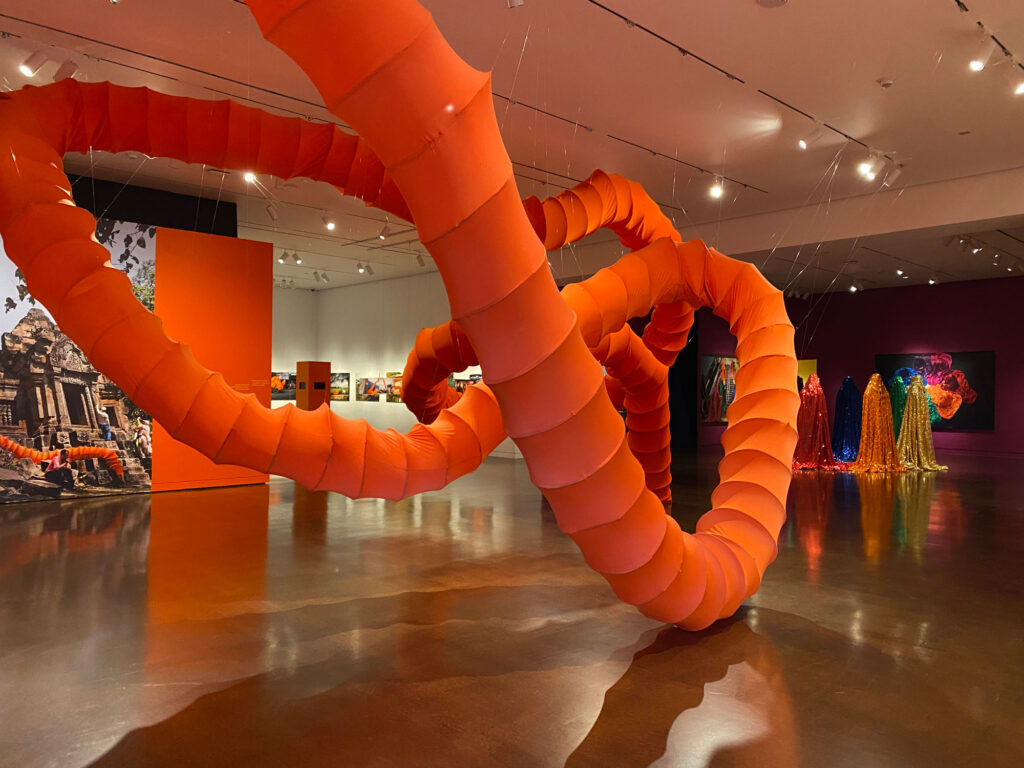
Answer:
(846, 424)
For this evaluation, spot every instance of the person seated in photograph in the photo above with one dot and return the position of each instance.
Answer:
(58, 470)
(104, 423)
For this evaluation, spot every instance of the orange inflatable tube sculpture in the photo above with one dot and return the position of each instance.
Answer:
(442, 165)
(77, 453)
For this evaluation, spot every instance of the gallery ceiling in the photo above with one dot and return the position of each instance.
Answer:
(669, 93)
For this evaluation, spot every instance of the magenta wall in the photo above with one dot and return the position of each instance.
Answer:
(844, 332)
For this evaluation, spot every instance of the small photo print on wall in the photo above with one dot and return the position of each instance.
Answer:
(339, 386)
(282, 386)
(462, 384)
(717, 387)
(369, 390)
(65, 429)
(960, 384)
(393, 386)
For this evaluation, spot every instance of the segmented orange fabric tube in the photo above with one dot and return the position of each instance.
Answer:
(77, 453)
(383, 67)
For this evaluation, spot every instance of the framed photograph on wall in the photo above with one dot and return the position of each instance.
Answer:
(961, 384)
(393, 386)
(369, 390)
(282, 385)
(339, 386)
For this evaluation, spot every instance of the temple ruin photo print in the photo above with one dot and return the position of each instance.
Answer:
(52, 398)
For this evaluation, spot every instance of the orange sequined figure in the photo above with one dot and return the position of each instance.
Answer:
(814, 445)
(877, 444)
(915, 447)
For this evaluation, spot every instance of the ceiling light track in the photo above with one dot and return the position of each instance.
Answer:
(538, 110)
(686, 52)
(722, 71)
(656, 153)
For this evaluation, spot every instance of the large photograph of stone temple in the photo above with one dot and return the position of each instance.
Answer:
(52, 398)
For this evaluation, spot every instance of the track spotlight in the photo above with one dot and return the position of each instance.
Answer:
(283, 257)
(892, 175)
(810, 138)
(328, 222)
(369, 269)
(853, 287)
(360, 268)
(932, 280)
(976, 250)
(316, 276)
(419, 260)
(249, 177)
(296, 258)
(32, 64)
(272, 212)
(899, 272)
(325, 277)
(384, 231)
(995, 260)
(717, 188)
(65, 70)
(869, 168)
(985, 47)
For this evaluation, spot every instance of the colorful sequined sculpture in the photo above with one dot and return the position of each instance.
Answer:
(846, 427)
(915, 448)
(877, 451)
(814, 446)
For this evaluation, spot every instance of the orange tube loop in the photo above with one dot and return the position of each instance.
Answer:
(445, 155)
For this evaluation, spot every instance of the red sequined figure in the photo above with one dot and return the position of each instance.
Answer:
(814, 446)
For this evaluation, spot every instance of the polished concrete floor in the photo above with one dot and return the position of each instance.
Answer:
(271, 626)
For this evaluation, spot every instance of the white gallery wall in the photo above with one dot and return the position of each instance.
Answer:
(365, 331)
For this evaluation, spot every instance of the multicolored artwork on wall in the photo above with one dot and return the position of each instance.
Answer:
(282, 385)
(339, 386)
(717, 387)
(961, 384)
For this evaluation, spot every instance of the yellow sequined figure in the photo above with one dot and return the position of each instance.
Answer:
(877, 442)
(915, 448)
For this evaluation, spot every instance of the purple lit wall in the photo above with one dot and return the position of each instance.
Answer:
(844, 332)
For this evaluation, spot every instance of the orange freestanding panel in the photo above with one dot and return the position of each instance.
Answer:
(232, 333)
(429, 150)
(312, 384)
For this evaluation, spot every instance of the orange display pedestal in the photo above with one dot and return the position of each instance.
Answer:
(312, 384)
(213, 293)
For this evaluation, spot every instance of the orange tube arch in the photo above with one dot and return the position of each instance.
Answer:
(379, 59)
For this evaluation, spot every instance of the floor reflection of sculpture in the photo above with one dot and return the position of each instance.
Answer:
(877, 503)
(309, 518)
(667, 684)
(914, 491)
(811, 502)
